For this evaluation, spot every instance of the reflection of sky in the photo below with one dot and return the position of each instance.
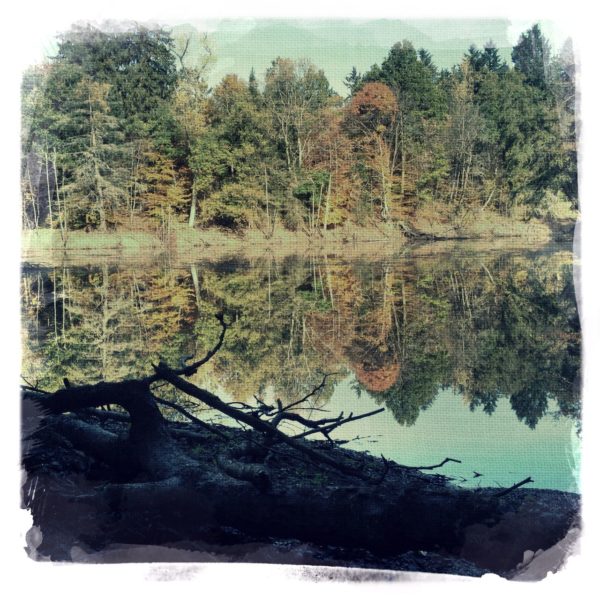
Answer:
(499, 446)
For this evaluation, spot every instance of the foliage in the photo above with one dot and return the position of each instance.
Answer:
(138, 63)
(495, 328)
(111, 106)
(531, 57)
(232, 207)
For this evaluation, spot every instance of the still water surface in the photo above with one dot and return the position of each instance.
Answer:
(475, 355)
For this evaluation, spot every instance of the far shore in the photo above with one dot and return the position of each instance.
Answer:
(183, 243)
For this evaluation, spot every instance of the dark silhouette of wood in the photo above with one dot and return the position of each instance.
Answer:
(163, 372)
(431, 467)
(514, 487)
(190, 416)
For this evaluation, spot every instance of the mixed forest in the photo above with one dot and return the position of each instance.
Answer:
(121, 131)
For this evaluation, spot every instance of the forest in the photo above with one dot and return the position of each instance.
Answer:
(121, 132)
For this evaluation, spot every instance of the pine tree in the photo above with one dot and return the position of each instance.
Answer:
(531, 56)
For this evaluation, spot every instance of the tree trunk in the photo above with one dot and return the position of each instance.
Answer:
(62, 220)
(196, 282)
(327, 205)
(267, 201)
(34, 199)
(49, 190)
(192, 218)
(402, 158)
(97, 177)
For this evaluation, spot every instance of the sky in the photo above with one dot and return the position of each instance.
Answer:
(333, 44)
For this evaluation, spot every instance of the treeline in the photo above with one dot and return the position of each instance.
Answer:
(121, 130)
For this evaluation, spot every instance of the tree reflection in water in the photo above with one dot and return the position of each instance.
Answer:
(486, 325)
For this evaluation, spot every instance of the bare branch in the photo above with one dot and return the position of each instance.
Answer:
(263, 406)
(357, 438)
(191, 369)
(281, 416)
(446, 460)
(311, 393)
(326, 429)
(514, 487)
(32, 387)
(181, 54)
(163, 372)
(243, 406)
(191, 417)
(386, 468)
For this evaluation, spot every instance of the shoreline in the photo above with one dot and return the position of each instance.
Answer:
(45, 245)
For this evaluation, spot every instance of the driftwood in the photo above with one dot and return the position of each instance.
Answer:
(96, 478)
(514, 487)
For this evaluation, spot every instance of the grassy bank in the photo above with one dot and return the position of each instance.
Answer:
(431, 225)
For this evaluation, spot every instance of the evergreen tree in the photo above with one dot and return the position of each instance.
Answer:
(486, 60)
(253, 86)
(531, 56)
(352, 81)
(413, 80)
(138, 63)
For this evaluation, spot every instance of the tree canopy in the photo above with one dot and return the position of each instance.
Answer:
(115, 112)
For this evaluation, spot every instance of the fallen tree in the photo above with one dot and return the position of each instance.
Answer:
(96, 478)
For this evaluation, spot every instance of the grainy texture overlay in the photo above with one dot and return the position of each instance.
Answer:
(302, 292)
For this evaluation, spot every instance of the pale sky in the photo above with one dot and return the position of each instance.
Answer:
(39, 39)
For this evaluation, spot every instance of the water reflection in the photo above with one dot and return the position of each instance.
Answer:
(492, 329)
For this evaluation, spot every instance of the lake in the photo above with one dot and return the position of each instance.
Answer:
(474, 354)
